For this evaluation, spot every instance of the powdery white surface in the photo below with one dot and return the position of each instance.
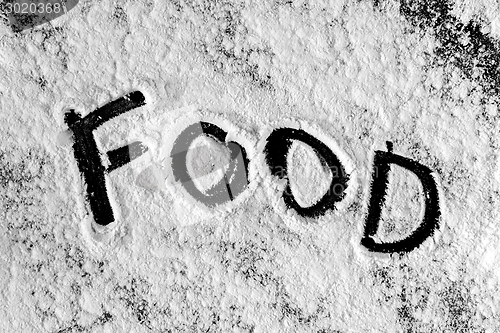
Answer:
(360, 74)
(207, 161)
(309, 178)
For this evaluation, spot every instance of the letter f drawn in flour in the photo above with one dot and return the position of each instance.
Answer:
(88, 157)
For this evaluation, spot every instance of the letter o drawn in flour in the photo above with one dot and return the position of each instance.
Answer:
(276, 151)
(235, 179)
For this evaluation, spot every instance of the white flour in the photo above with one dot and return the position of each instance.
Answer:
(354, 75)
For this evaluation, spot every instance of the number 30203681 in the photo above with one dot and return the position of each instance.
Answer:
(32, 7)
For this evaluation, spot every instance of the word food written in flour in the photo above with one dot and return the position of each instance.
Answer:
(235, 181)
